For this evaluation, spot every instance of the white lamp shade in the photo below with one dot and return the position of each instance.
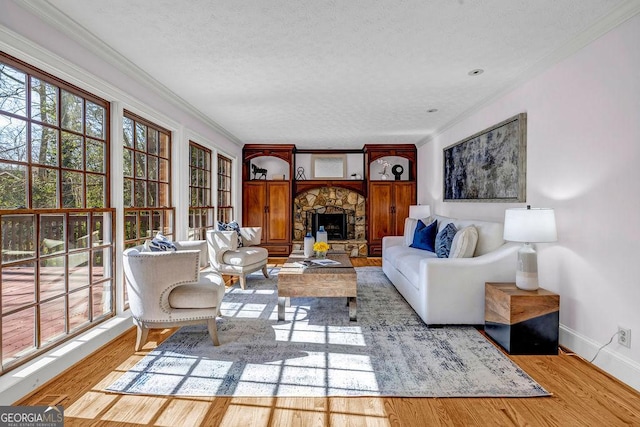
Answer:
(419, 211)
(530, 225)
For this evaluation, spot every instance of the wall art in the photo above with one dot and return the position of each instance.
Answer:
(489, 166)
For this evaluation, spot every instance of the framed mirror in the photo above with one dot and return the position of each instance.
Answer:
(325, 166)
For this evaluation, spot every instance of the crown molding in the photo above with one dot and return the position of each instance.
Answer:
(72, 29)
(615, 18)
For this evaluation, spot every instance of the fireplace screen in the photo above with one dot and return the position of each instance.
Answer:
(335, 224)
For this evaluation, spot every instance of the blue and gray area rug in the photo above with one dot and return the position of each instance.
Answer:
(316, 351)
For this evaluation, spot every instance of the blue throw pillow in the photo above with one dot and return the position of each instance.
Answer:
(425, 236)
(160, 243)
(232, 226)
(444, 240)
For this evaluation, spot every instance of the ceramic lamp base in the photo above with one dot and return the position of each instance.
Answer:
(527, 272)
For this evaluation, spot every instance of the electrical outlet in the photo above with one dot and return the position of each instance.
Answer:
(624, 336)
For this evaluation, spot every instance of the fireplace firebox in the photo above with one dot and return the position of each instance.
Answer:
(335, 224)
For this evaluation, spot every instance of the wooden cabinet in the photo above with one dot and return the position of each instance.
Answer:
(388, 201)
(267, 203)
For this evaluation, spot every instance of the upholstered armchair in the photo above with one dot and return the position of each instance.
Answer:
(226, 257)
(167, 289)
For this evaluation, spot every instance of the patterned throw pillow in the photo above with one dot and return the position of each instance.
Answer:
(444, 240)
(232, 226)
(425, 235)
(159, 243)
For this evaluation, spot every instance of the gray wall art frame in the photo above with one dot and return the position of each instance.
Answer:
(489, 166)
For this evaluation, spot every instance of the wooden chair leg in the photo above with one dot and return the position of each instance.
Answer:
(141, 337)
(264, 271)
(243, 281)
(213, 331)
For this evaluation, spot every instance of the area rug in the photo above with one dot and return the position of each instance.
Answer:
(317, 351)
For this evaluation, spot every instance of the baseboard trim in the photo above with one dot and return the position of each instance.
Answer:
(609, 360)
(18, 383)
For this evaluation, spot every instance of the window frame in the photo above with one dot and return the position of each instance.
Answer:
(31, 251)
(202, 213)
(165, 214)
(224, 212)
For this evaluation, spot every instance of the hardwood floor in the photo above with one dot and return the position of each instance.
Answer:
(583, 395)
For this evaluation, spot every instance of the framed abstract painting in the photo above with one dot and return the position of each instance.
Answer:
(489, 166)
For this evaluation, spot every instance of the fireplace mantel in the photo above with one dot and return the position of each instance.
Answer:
(359, 186)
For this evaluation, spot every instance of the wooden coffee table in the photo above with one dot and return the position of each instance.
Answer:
(326, 281)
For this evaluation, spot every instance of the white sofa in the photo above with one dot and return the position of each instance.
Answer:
(446, 291)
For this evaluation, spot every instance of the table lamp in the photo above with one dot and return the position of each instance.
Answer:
(419, 211)
(527, 225)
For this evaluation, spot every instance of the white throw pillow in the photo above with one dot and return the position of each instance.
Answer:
(410, 225)
(464, 243)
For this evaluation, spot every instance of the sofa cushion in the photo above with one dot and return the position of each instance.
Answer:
(490, 235)
(444, 239)
(409, 265)
(196, 295)
(425, 236)
(464, 243)
(410, 228)
(245, 256)
(407, 261)
(443, 221)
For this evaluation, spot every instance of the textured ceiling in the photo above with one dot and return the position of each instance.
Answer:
(335, 74)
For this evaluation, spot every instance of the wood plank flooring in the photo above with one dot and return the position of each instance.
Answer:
(583, 395)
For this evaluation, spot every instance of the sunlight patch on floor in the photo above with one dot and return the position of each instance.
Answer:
(141, 409)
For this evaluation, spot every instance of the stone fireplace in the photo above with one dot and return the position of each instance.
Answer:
(342, 213)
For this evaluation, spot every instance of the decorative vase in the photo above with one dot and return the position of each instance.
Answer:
(321, 254)
(383, 173)
(321, 235)
(308, 245)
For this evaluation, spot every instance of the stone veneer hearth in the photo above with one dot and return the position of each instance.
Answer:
(332, 198)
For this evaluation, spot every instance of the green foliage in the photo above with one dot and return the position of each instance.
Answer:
(79, 119)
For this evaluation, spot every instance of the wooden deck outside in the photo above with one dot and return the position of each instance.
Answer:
(19, 293)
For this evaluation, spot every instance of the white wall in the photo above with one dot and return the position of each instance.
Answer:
(583, 159)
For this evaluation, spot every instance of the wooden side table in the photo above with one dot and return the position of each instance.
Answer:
(522, 322)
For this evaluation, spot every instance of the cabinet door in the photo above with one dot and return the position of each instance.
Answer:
(380, 208)
(404, 196)
(279, 212)
(254, 203)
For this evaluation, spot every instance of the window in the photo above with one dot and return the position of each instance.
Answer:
(201, 211)
(147, 180)
(56, 267)
(225, 206)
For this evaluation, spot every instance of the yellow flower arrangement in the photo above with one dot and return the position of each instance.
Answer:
(320, 246)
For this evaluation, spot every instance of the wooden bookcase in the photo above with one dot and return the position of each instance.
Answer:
(267, 203)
